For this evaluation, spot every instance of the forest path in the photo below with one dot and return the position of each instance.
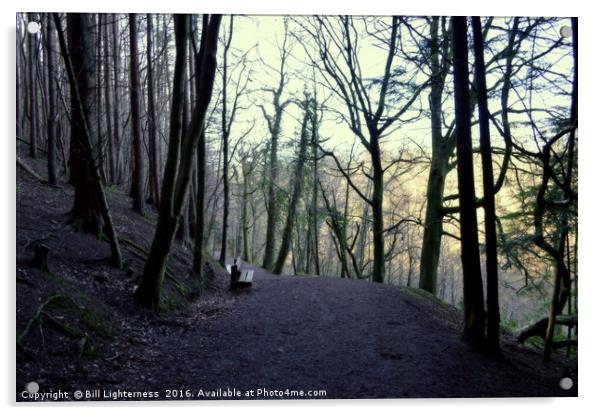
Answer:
(353, 339)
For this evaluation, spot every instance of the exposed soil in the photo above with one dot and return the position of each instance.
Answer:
(352, 339)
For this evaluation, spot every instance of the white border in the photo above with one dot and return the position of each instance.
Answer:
(589, 158)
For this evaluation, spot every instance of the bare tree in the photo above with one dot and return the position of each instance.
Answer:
(138, 173)
(226, 128)
(297, 183)
(336, 40)
(201, 160)
(32, 55)
(493, 311)
(117, 98)
(474, 313)
(152, 121)
(51, 124)
(274, 122)
(442, 146)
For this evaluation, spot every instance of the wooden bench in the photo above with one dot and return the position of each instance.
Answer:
(239, 278)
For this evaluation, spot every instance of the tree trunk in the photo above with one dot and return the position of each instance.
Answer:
(287, 232)
(117, 99)
(474, 313)
(199, 229)
(272, 212)
(493, 310)
(108, 101)
(199, 235)
(86, 208)
(182, 235)
(274, 126)
(314, 239)
(138, 174)
(378, 270)
(246, 249)
(226, 155)
(100, 148)
(18, 76)
(32, 56)
(152, 122)
(52, 115)
(442, 148)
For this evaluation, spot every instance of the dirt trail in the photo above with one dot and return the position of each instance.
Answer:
(353, 339)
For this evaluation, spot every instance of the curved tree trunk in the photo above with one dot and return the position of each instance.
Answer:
(287, 233)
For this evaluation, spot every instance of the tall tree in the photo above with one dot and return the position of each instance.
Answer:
(274, 122)
(442, 146)
(313, 227)
(474, 313)
(493, 310)
(199, 230)
(297, 179)
(90, 207)
(86, 210)
(100, 145)
(51, 124)
(108, 99)
(152, 121)
(226, 127)
(368, 120)
(32, 81)
(138, 173)
(182, 233)
(178, 165)
(117, 98)
(18, 76)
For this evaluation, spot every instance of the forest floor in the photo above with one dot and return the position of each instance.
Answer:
(78, 327)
